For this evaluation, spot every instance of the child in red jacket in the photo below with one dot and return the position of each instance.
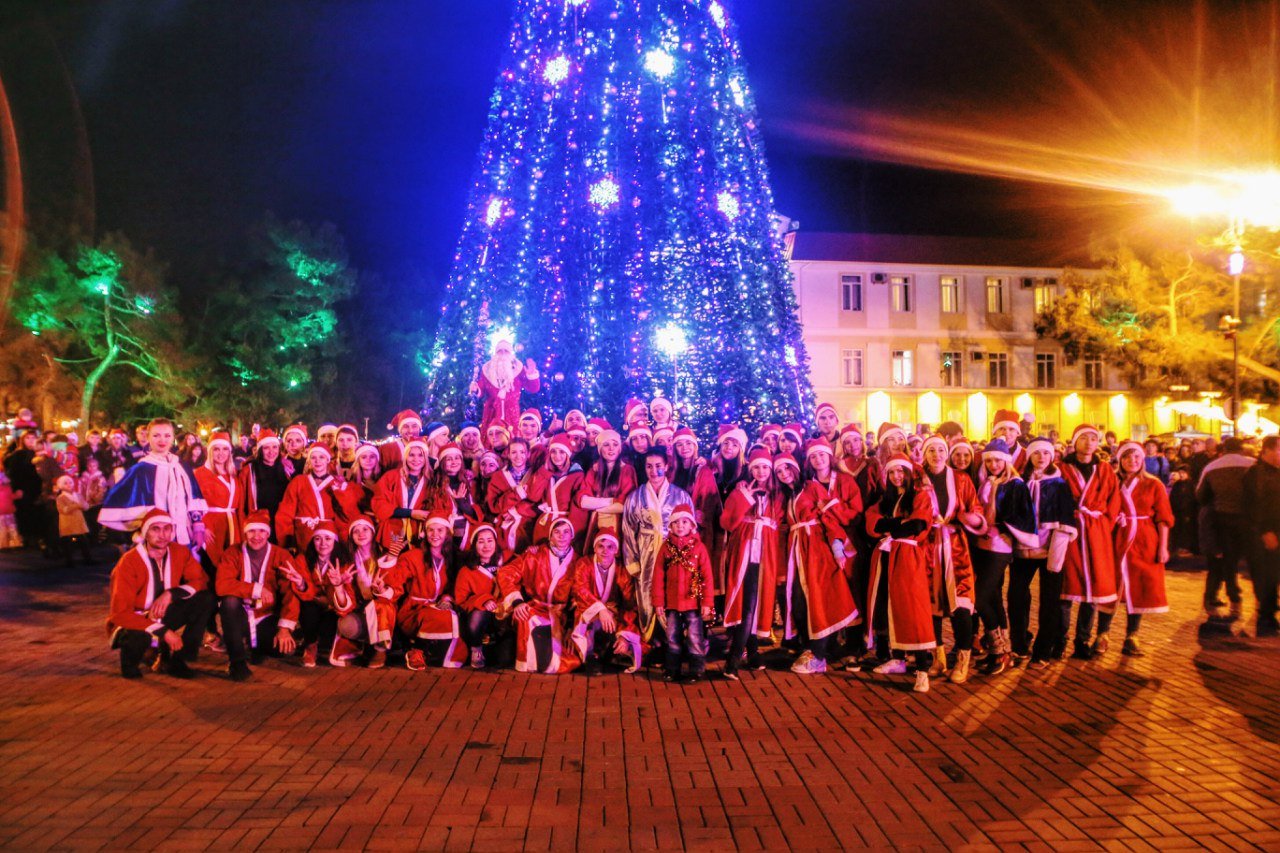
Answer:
(683, 590)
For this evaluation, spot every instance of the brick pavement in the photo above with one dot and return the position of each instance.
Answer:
(1179, 749)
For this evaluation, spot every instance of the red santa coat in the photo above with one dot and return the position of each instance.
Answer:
(673, 575)
(392, 492)
(222, 520)
(421, 613)
(1089, 570)
(707, 508)
(593, 487)
(376, 609)
(475, 587)
(753, 537)
(307, 501)
(556, 496)
(596, 590)
(133, 587)
(545, 582)
(505, 408)
(510, 506)
(391, 454)
(1145, 506)
(949, 562)
(235, 577)
(906, 562)
(816, 521)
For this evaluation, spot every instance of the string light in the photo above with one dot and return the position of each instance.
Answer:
(727, 203)
(659, 63)
(556, 70)
(605, 193)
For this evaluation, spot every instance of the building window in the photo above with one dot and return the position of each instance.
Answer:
(851, 292)
(1093, 374)
(950, 287)
(952, 367)
(998, 369)
(901, 286)
(851, 367)
(997, 296)
(903, 367)
(1046, 295)
(1046, 370)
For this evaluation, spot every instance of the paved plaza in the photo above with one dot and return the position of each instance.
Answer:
(1175, 750)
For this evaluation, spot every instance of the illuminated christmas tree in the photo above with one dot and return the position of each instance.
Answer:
(620, 226)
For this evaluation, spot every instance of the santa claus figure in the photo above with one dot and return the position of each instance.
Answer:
(500, 382)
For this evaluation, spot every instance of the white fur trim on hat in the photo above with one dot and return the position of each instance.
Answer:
(257, 525)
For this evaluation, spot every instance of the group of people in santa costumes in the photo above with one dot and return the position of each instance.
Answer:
(589, 547)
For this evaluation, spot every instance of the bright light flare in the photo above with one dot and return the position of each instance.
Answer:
(671, 340)
(659, 63)
(501, 333)
(605, 193)
(556, 70)
(1235, 264)
(1243, 198)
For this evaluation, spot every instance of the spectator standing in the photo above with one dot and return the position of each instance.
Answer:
(1220, 493)
(20, 466)
(1262, 506)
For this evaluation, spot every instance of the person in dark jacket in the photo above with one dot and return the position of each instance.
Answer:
(1220, 492)
(1262, 506)
(25, 480)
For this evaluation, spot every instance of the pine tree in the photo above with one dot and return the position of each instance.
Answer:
(621, 226)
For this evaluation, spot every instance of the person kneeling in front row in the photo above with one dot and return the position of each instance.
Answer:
(158, 597)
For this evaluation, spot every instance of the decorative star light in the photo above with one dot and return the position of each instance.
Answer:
(659, 63)
(497, 207)
(716, 11)
(790, 354)
(739, 95)
(605, 193)
(727, 203)
(556, 71)
(501, 333)
(672, 340)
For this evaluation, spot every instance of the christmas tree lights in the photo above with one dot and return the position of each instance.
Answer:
(619, 222)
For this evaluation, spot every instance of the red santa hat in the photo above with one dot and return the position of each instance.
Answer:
(300, 429)
(154, 516)
(1085, 429)
(449, 449)
(220, 438)
(581, 414)
(419, 443)
(501, 426)
(786, 460)
(1005, 418)
(770, 429)
(897, 460)
(477, 530)
(656, 400)
(599, 425)
(319, 449)
(938, 440)
(631, 411)
(826, 407)
(327, 429)
(325, 527)
(117, 431)
(407, 416)
(886, 429)
(576, 432)
(957, 443)
(639, 428)
(368, 448)
(1040, 442)
(683, 433)
(607, 534)
(259, 519)
(759, 456)
(1129, 447)
(795, 432)
(663, 431)
(559, 520)
(608, 434)
(533, 415)
(732, 431)
(361, 521)
(439, 518)
(818, 445)
(349, 429)
(268, 437)
(561, 441)
(850, 429)
(682, 511)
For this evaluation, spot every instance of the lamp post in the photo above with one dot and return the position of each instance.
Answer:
(1235, 266)
(672, 341)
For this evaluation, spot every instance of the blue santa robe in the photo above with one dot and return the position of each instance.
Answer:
(149, 484)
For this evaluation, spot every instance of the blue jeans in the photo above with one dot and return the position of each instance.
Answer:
(686, 636)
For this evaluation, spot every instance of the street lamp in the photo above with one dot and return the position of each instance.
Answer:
(1229, 326)
(672, 341)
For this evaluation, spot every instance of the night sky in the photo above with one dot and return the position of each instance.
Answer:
(368, 113)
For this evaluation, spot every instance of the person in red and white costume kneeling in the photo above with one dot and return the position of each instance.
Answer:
(537, 589)
(261, 588)
(159, 597)
(604, 597)
(476, 591)
(426, 611)
(364, 598)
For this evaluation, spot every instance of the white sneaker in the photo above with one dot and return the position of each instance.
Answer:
(812, 666)
(893, 666)
(922, 681)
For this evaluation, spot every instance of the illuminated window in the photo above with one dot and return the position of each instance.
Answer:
(1046, 370)
(998, 369)
(1093, 374)
(952, 367)
(851, 367)
(950, 293)
(851, 292)
(901, 288)
(997, 296)
(1046, 295)
(903, 367)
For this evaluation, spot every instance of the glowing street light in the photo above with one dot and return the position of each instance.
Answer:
(672, 341)
(1242, 198)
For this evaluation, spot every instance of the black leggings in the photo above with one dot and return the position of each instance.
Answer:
(961, 629)
(800, 620)
(1084, 621)
(744, 633)
(988, 570)
(474, 626)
